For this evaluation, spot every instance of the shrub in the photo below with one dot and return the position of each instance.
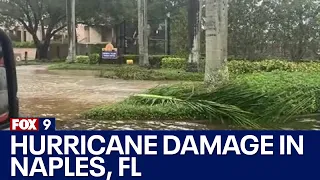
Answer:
(83, 59)
(180, 75)
(138, 73)
(180, 63)
(23, 44)
(243, 67)
(173, 63)
(96, 48)
(133, 72)
(78, 66)
(94, 58)
(155, 60)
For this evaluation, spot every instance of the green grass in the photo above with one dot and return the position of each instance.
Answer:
(75, 66)
(255, 100)
(129, 111)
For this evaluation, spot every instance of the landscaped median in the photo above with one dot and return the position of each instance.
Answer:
(131, 72)
(257, 100)
(174, 69)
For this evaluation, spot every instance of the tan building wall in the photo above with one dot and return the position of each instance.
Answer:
(85, 34)
(23, 35)
(21, 53)
(56, 51)
(95, 35)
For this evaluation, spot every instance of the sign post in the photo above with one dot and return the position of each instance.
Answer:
(109, 53)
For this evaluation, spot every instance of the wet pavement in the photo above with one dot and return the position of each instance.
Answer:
(65, 94)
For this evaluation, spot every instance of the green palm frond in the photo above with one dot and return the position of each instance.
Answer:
(242, 106)
(284, 111)
(213, 110)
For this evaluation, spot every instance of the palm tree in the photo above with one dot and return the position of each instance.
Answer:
(216, 41)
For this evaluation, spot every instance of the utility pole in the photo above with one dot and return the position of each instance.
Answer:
(71, 19)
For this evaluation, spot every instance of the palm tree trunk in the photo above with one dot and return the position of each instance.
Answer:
(142, 33)
(216, 70)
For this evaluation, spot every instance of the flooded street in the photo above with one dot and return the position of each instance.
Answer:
(65, 95)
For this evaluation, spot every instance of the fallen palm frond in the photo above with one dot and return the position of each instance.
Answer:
(241, 105)
(212, 110)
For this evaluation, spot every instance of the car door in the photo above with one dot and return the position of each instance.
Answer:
(4, 102)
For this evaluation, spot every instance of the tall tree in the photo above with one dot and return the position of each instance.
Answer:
(105, 12)
(272, 29)
(44, 16)
(194, 29)
(216, 69)
(179, 33)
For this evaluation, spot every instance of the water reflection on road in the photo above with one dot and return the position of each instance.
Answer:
(132, 125)
(66, 94)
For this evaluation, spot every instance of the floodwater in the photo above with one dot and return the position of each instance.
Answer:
(65, 94)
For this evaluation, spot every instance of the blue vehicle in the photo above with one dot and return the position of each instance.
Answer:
(9, 103)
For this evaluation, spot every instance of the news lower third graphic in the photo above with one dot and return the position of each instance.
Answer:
(36, 150)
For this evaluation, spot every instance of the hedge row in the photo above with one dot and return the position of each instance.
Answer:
(243, 67)
(154, 60)
(91, 59)
(23, 44)
(235, 66)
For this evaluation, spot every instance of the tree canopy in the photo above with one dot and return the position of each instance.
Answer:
(257, 29)
(46, 15)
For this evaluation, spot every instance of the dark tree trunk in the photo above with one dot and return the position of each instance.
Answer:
(193, 20)
(76, 37)
(43, 51)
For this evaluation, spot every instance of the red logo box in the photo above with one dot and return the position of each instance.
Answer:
(24, 124)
